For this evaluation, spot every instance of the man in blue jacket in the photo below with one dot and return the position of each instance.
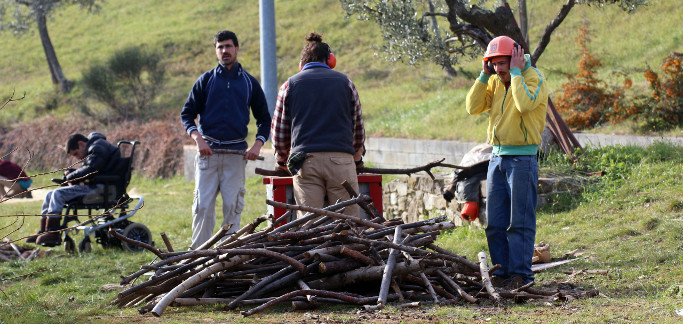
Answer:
(221, 99)
(99, 158)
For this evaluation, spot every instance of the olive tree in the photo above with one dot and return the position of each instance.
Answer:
(412, 32)
(20, 15)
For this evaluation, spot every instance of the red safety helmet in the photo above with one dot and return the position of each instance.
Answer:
(500, 46)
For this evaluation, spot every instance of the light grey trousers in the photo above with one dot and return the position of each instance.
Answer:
(222, 173)
(56, 199)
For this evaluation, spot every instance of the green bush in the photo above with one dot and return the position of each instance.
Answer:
(127, 82)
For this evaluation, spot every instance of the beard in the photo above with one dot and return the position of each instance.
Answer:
(228, 60)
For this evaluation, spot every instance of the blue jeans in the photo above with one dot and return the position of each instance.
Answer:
(511, 212)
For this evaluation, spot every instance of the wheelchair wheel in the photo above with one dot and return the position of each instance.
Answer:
(137, 232)
(85, 246)
(69, 244)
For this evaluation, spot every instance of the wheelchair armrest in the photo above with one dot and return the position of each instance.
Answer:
(105, 179)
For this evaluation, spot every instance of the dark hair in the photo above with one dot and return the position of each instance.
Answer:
(225, 35)
(315, 50)
(72, 142)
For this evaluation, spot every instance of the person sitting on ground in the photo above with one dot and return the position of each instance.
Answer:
(13, 181)
(99, 158)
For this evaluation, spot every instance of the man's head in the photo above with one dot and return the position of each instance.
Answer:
(75, 146)
(315, 50)
(227, 46)
(498, 54)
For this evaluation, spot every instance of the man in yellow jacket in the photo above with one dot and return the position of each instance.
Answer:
(515, 95)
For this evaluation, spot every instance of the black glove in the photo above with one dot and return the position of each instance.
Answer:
(448, 195)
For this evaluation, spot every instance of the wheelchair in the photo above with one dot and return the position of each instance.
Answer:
(112, 198)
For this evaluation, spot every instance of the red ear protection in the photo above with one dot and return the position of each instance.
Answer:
(331, 62)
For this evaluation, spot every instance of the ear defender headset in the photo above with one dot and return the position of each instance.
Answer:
(331, 59)
(494, 49)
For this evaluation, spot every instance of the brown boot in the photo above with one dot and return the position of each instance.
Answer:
(41, 230)
(51, 238)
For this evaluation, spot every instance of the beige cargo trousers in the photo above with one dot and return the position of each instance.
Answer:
(215, 173)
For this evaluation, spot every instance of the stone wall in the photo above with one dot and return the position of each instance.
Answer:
(419, 197)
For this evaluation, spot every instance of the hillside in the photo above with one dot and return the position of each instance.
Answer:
(399, 100)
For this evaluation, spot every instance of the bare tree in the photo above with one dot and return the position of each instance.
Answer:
(19, 15)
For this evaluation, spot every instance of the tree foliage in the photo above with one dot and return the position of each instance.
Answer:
(587, 101)
(663, 108)
(127, 82)
(411, 37)
(19, 16)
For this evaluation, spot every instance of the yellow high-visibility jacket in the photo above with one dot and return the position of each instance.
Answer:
(517, 114)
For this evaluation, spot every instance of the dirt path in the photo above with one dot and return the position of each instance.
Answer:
(38, 195)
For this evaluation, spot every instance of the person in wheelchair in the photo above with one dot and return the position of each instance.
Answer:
(99, 158)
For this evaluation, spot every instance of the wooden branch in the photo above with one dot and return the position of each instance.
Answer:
(362, 275)
(167, 242)
(345, 297)
(345, 250)
(272, 173)
(389, 269)
(302, 220)
(367, 206)
(249, 228)
(457, 287)
(486, 279)
(325, 212)
(11, 98)
(187, 284)
(217, 236)
(455, 257)
(545, 38)
(426, 168)
(143, 245)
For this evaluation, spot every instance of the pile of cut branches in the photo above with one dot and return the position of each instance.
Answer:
(10, 251)
(322, 257)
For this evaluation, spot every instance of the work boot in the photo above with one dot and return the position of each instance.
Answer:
(470, 211)
(41, 230)
(513, 283)
(497, 281)
(51, 238)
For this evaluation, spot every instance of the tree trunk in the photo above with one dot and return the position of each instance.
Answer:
(52, 62)
(450, 71)
(523, 20)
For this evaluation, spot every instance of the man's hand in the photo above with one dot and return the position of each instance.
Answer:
(358, 157)
(283, 167)
(484, 68)
(202, 147)
(517, 58)
(254, 151)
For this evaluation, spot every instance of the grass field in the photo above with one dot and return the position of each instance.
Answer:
(398, 100)
(629, 223)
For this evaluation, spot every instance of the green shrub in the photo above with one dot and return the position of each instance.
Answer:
(127, 82)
